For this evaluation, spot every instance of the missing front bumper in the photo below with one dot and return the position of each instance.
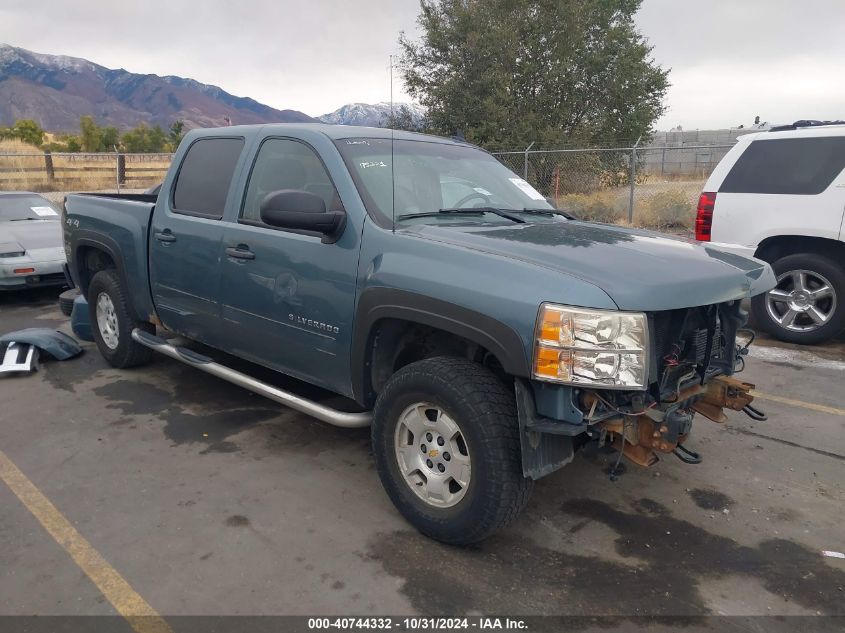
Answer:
(663, 429)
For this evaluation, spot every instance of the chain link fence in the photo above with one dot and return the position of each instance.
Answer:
(653, 187)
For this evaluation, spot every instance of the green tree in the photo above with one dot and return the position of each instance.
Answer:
(509, 72)
(402, 119)
(177, 131)
(91, 136)
(73, 144)
(27, 131)
(144, 139)
(109, 138)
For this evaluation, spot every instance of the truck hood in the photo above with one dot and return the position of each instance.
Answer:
(639, 270)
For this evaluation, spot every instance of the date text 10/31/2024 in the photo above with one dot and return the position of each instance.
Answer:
(417, 623)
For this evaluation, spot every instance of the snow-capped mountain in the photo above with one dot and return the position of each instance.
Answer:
(56, 90)
(371, 114)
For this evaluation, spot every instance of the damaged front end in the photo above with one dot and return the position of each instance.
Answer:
(693, 356)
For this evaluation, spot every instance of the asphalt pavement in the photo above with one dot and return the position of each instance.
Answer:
(165, 487)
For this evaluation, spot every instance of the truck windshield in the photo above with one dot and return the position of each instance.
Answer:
(434, 180)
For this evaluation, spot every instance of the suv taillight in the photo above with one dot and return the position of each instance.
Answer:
(704, 216)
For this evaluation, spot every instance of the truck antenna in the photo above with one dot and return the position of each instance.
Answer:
(392, 158)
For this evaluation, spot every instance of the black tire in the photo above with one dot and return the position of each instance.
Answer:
(127, 353)
(66, 300)
(818, 265)
(485, 411)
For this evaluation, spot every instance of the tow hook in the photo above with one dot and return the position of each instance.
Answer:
(686, 455)
(754, 413)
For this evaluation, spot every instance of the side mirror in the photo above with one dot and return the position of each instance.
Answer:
(304, 211)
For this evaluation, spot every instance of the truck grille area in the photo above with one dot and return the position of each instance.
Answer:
(681, 340)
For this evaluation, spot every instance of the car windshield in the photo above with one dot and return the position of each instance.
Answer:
(22, 207)
(439, 182)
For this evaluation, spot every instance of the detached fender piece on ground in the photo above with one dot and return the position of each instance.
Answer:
(58, 344)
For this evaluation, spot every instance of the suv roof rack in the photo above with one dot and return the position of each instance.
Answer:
(804, 123)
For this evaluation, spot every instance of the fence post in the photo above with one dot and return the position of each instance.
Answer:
(525, 169)
(632, 177)
(48, 165)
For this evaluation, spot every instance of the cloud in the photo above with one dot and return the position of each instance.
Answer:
(310, 56)
(730, 59)
(733, 59)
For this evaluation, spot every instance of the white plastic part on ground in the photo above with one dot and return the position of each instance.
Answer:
(19, 358)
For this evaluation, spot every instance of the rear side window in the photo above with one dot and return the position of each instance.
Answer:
(287, 164)
(205, 175)
(797, 166)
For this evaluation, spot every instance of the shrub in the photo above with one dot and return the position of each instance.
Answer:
(600, 206)
(671, 208)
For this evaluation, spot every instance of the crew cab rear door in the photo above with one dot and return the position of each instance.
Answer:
(186, 237)
(286, 298)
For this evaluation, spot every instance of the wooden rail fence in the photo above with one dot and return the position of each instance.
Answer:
(68, 171)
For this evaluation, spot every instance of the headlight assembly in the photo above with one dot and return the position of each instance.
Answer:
(11, 249)
(600, 348)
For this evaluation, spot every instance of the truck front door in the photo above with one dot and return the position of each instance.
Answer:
(186, 238)
(287, 299)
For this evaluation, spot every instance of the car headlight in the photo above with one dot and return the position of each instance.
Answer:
(11, 249)
(600, 348)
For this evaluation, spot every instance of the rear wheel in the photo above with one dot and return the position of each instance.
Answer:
(808, 304)
(446, 445)
(112, 323)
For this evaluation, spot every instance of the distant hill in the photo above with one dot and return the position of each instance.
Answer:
(370, 114)
(56, 91)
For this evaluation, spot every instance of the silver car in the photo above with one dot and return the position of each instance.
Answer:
(31, 250)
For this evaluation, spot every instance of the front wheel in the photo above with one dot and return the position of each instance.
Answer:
(446, 444)
(808, 304)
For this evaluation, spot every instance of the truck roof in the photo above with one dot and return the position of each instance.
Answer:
(334, 132)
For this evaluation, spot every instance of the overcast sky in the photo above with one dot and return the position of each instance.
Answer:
(730, 59)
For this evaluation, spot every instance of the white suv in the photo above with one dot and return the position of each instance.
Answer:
(780, 196)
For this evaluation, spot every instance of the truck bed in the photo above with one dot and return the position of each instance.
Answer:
(119, 225)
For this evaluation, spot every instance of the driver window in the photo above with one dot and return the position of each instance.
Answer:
(286, 164)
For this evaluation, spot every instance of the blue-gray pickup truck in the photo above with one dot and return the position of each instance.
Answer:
(485, 335)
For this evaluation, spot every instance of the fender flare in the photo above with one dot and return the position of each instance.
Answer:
(97, 241)
(376, 304)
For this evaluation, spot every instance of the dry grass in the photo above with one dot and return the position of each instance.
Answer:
(662, 206)
(24, 167)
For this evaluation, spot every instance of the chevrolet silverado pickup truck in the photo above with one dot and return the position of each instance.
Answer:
(484, 335)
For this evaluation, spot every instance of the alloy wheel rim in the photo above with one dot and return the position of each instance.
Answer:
(802, 301)
(432, 455)
(107, 321)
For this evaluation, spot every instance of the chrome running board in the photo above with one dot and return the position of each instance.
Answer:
(206, 364)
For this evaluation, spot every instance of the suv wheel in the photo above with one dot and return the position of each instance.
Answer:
(446, 445)
(808, 304)
(112, 323)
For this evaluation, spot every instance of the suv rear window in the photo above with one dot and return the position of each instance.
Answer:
(205, 175)
(797, 166)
